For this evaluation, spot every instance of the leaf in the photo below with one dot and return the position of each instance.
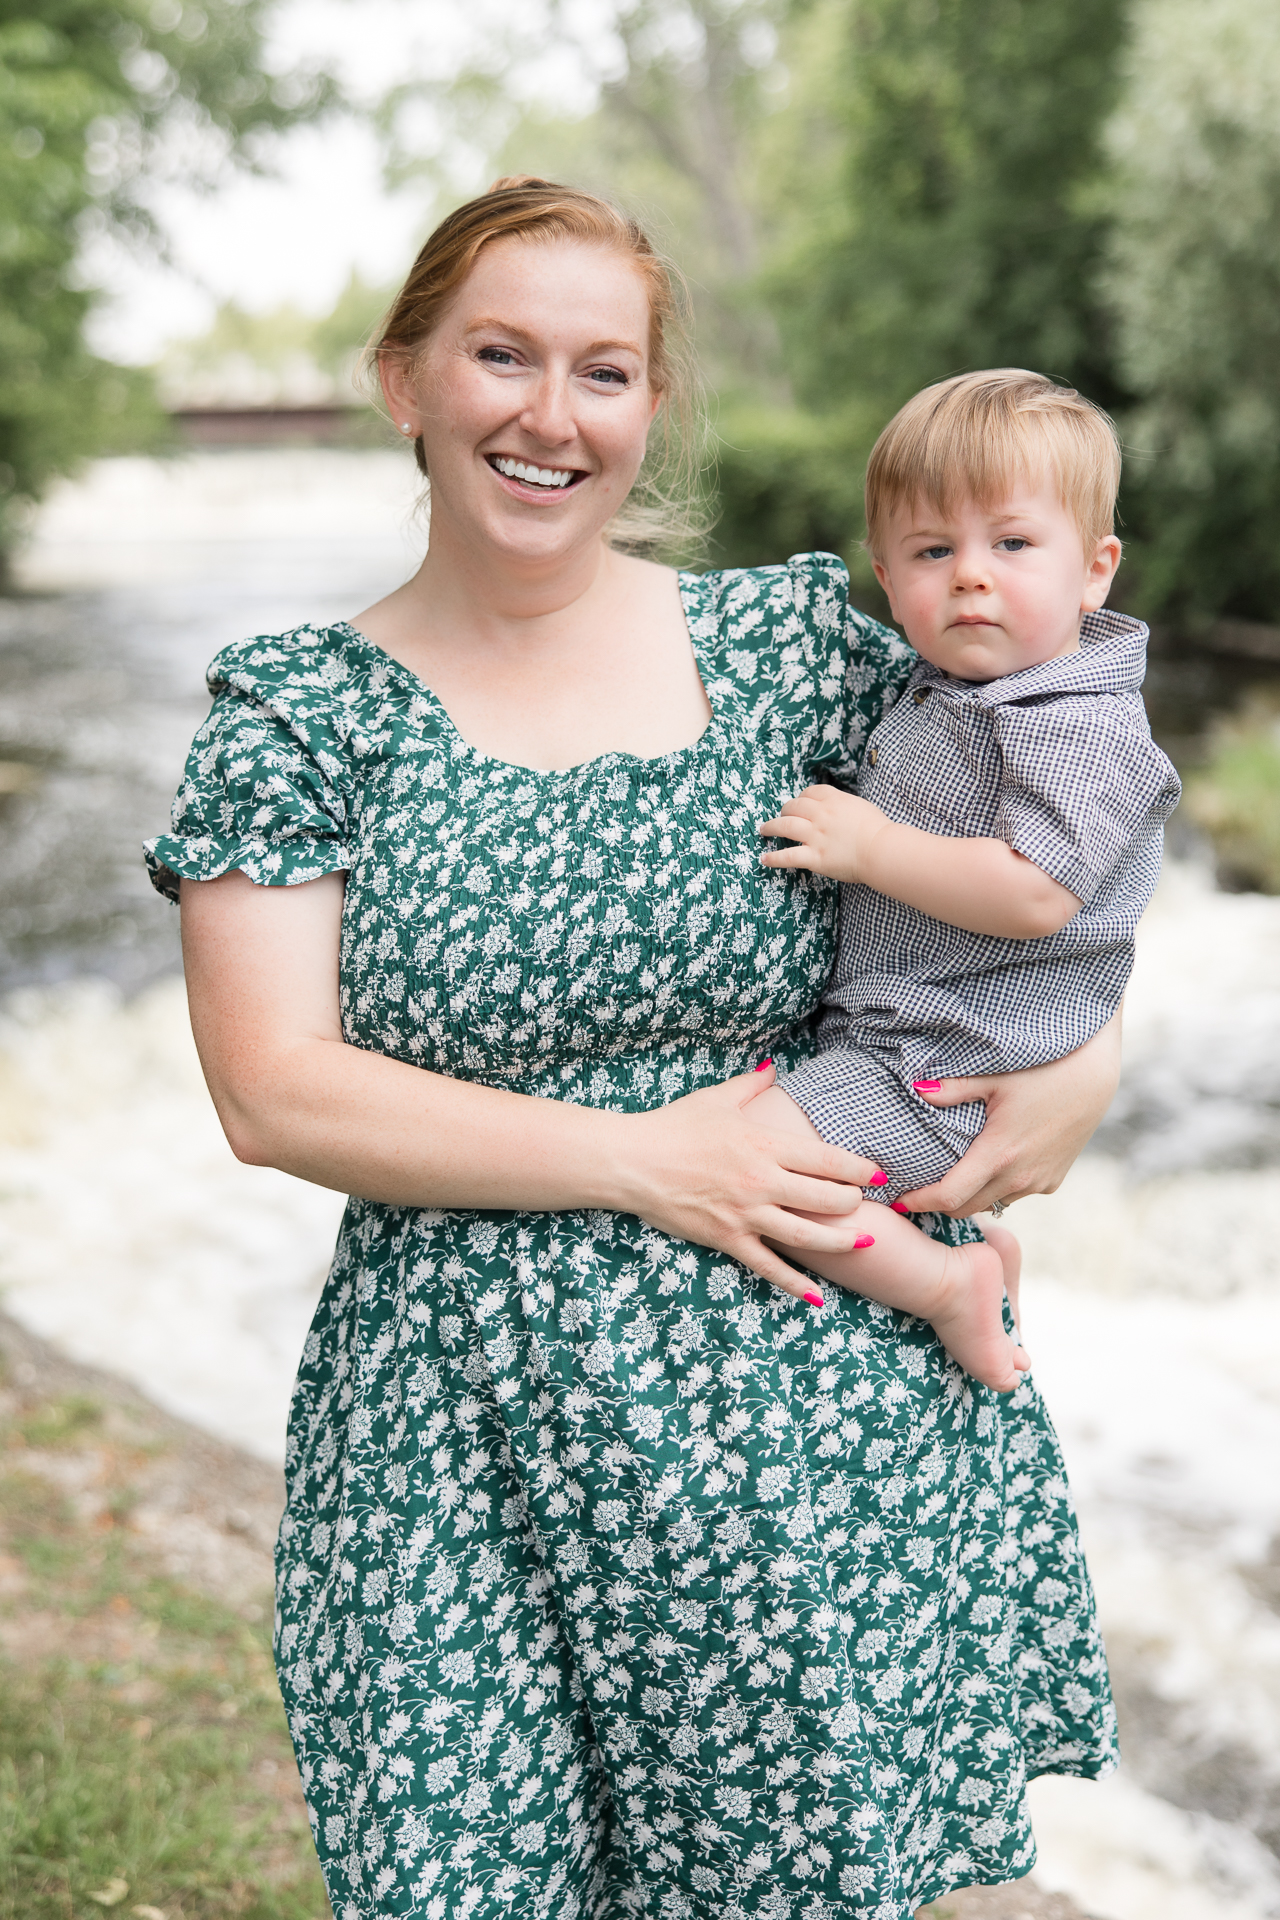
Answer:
(112, 1894)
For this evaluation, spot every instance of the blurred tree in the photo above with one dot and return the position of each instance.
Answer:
(962, 229)
(958, 227)
(1193, 277)
(282, 356)
(95, 96)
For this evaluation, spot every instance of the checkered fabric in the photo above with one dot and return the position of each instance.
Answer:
(1059, 762)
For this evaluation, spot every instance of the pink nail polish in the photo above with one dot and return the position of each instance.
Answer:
(896, 1206)
(926, 1086)
(878, 1179)
(763, 1064)
(864, 1240)
(815, 1299)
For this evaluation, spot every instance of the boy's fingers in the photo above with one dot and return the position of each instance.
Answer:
(789, 857)
(790, 826)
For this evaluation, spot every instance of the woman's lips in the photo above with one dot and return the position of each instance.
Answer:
(530, 481)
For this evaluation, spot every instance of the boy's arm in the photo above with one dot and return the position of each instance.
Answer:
(981, 885)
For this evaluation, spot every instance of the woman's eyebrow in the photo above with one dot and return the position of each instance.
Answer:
(488, 324)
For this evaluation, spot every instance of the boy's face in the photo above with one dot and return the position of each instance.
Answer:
(984, 591)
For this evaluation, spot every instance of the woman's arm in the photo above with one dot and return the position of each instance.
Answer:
(1037, 1122)
(262, 979)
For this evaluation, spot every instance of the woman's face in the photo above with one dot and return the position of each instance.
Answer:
(532, 398)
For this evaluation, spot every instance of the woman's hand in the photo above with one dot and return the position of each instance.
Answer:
(1037, 1122)
(703, 1170)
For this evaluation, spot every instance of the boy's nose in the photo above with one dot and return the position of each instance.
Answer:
(971, 574)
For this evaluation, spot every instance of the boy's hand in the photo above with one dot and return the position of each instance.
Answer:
(834, 832)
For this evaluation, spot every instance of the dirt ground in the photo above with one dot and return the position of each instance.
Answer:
(206, 1514)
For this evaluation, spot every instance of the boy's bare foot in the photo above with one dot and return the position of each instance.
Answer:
(967, 1314)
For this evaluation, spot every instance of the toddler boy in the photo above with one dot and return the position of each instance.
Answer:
(1006, 832)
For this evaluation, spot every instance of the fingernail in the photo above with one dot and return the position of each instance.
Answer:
(761, 1067)
(896, 1206)
(815, 1299)
(878, 1179)
(926, 1086)
(864, 1240)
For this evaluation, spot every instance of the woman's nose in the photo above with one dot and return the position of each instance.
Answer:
(549, 415)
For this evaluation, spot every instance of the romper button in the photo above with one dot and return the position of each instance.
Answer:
(921, 694)
(874, 755)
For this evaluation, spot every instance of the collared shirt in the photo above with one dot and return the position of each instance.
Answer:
(1058, 761)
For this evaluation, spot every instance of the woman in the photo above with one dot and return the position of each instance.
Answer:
(611, 1580)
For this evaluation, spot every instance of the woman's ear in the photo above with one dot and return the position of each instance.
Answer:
(399, 390)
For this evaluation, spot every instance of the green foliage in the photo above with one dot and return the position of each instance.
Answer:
(960, 229)
(950, 222)
(1235, 797)
(89, 90)
(1193, 278)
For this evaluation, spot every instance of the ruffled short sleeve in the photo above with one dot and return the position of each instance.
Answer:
(266, 788)
(861, 665)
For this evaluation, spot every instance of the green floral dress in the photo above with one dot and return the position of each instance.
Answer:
(613, 1582)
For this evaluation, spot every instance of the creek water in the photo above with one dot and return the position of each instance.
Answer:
(131, 1236)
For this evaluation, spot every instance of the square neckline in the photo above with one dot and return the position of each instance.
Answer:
(687, 586)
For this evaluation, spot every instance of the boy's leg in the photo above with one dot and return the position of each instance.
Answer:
(959, 1290)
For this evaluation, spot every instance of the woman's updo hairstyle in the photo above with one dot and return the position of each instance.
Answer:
(664, 511)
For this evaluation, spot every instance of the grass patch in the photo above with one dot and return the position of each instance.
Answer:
(1235, 797)
(145, 1766)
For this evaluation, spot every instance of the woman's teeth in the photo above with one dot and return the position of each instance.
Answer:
(534, 476)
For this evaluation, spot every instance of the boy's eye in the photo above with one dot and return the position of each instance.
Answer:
(1012, 543)
(935, 553)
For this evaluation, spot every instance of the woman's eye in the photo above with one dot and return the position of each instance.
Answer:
(497, 356)
(1012, 543)
(608, 376)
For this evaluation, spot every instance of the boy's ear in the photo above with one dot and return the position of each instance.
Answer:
(1100, 573)
(882, 575)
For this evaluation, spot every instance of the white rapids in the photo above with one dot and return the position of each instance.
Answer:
(131, 1236)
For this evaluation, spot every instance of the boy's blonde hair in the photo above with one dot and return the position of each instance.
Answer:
(978, 434)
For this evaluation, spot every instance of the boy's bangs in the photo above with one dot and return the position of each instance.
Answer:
(981, 436)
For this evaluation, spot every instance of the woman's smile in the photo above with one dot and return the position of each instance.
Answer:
(530, 480)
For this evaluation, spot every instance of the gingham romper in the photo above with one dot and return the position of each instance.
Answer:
(1058, 761)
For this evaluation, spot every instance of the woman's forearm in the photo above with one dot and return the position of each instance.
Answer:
(262, 978)
(371, 1126)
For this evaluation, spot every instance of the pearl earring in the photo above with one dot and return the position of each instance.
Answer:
(405, 427)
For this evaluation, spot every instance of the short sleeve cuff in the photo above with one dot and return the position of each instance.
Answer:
(1060, 860)
(174, 857)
